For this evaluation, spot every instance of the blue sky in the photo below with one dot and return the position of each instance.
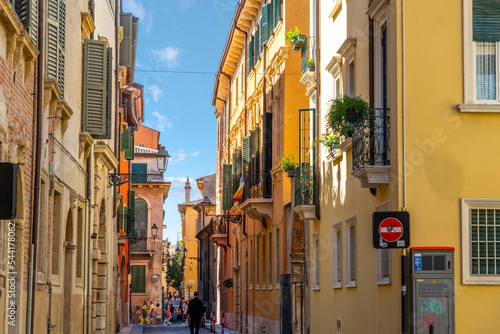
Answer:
(187, 36)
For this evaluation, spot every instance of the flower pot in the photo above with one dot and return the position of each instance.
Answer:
(291, 173)
(298, 42)
(352, 116)
(311, 68)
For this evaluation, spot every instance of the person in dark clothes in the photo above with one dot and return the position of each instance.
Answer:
(195, 312)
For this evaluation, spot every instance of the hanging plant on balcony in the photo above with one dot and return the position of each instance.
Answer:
(330, 141)
(311, 65)
(228, 283)
(296, 38)
(288, 164)
(344, 112)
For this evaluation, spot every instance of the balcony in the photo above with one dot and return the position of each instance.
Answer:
(305, 191)
(370, 148)
(219, 235)
(257, 200)
(308, 67)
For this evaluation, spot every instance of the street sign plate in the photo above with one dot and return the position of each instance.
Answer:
(189, 286)
(391, 229)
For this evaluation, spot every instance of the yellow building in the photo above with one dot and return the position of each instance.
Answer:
(432, 97)
(189, 219)
(256, 105)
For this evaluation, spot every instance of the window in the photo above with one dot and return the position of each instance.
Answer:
(383, 256)
(277, 258)
(348, 52)
(140, 169)
(56, 232)
(140, 226)
(480, 241)
(351, 252)
(263, 278)
(351, 89)
(316, 261)
(251, 264)
(481, 53)
(138, 274)
(270, 262)
(257, 264)
(79, 243)
(337, 255)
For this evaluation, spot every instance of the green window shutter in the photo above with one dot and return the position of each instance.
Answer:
(265, 24)
(260, 31)
(250, 56)
(138, 275)
(140, 169)
(61, 46)
(277, 12)
(52, 39)
(246, 149)
(126, 43)
(256, 48)
(227, 185)
(129, 153)
(120, 216)
(239, 167)
(94, 87)
(125, 141)
(27, 10)
(131, 211)
(109, 94)
(486, 20)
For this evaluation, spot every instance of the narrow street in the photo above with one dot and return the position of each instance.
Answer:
(176, 327)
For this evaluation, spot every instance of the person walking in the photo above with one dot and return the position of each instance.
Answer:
(151, 313)
(144, 313)
(184, 313)
(195, 312)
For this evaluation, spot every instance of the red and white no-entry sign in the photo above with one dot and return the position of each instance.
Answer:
(390, 229)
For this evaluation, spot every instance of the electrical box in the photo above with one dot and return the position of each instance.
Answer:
(432, 285)
(8, 193)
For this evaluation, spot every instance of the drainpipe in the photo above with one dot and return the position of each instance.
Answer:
(38, 159)
(89, 237)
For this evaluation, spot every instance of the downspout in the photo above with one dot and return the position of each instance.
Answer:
(89, 237)
(38, 159)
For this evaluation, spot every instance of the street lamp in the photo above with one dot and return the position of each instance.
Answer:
(154, 231)
(162, 156)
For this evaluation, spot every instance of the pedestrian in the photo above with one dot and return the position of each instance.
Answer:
(144, 313)
(151, 312)
(195, 312)
(184, 313)
(168, 316)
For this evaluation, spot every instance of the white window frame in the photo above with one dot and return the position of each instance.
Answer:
(348, 52)
(380, 254)
(471, 104)
(336, 259)
(466, 205)
(350, 282)
(316, 266)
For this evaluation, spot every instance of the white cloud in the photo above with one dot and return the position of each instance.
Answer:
(162, 121)
(155, 92)
(177, 188)
(185, 4)
(137, 9)
(180, 156)
(170, 55)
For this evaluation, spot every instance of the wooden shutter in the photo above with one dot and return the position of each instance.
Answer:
(109, 94)
(27, 10)
(256, 48)
(125, 141)
(120, 217)
(138, 274)
(126, 43)
(140, 169)
(277, 12)
(130, 154)
(238, 169)
(61, 46)
(94, 87)
(227, 187)
(131, 211)
(486, 20)
(260, 30)
(52, 47)
(250, 56)
(267, 155)
(265, 24)
(246, 149)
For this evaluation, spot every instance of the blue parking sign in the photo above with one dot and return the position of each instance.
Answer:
(418, 262)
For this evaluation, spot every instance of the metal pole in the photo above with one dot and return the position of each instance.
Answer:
(404, 309)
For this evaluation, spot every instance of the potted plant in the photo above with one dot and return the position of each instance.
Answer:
(330, 141)
(344, 112)
(310, 65)
(288, 164)
(228, 283)
(296, 38)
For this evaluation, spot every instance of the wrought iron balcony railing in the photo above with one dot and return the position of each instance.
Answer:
(305, 188)
(370, 140)
(257, 185)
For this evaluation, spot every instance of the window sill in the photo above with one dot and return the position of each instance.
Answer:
(384, 281)
(337, 286)
(481, 280)
(351, 284)
(316, 288)
(346, 145)
(478, 108)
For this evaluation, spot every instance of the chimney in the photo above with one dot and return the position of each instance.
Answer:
(187, 187)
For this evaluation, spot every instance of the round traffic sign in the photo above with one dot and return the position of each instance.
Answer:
(390, 229)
